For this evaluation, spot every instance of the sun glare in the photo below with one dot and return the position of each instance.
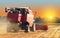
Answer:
(49, 14)
(51, 17)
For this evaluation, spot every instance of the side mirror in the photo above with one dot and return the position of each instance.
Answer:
(5, 9)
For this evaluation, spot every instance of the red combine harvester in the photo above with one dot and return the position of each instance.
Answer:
(23, 16)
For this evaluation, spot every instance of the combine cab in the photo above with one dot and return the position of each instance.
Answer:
(22, 16)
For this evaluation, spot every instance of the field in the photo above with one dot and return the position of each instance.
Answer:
(52, 32)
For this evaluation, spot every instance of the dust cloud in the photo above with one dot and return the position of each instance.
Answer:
(3, 25)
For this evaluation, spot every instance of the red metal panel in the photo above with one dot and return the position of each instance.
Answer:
(12, 17)
(41, 27)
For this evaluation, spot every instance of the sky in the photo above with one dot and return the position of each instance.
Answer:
(28, 2)
(36, 5)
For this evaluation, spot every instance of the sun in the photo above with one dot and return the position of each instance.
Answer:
(49, 14)
(50, 17)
